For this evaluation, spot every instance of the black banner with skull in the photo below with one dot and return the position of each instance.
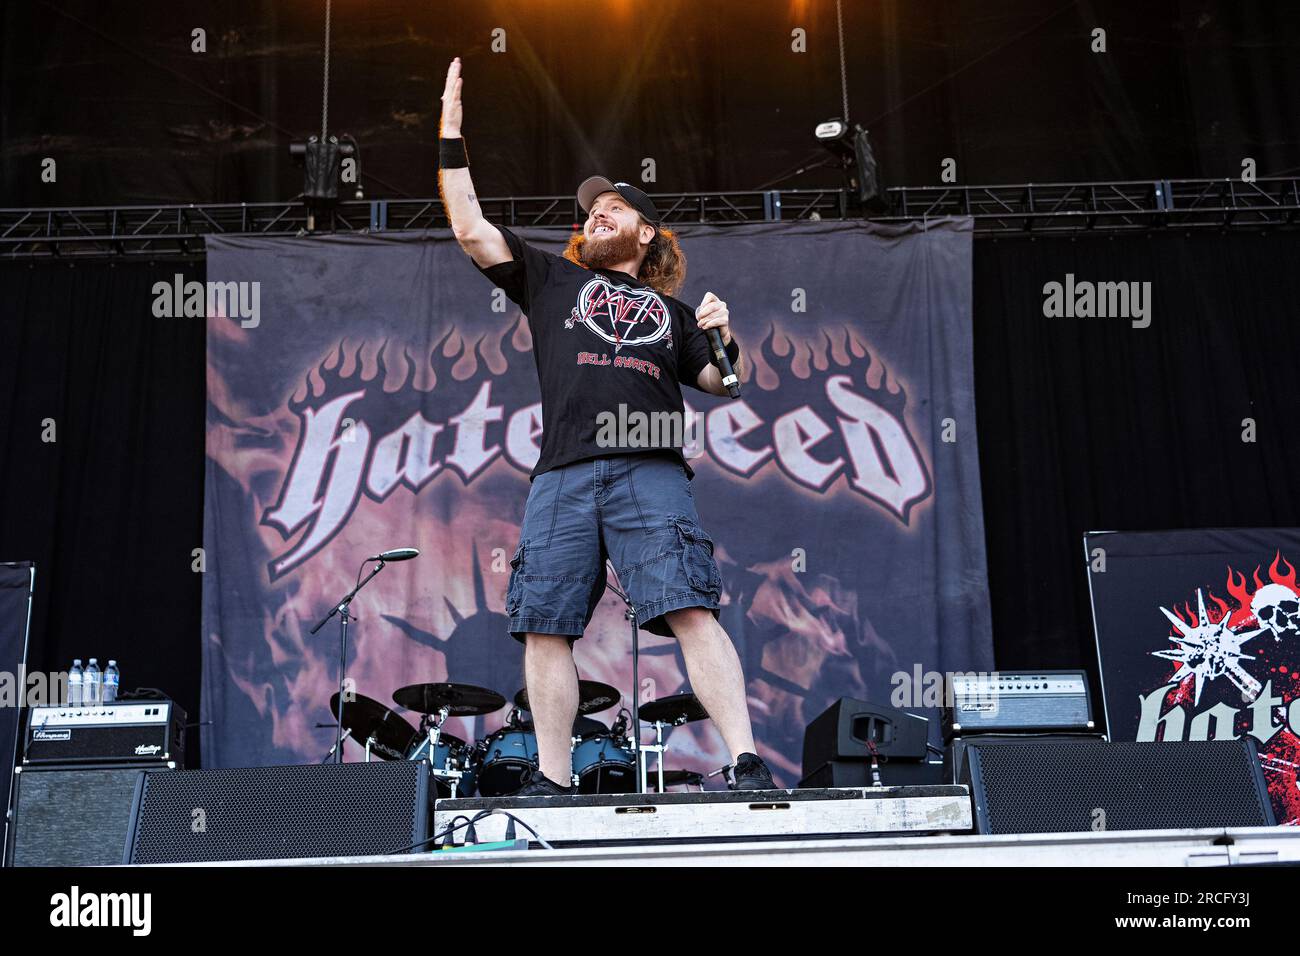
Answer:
(1198, 634)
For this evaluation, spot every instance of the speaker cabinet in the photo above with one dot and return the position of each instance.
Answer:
(75, 817)
(1065, 786)
(265, 813)
(849, 729)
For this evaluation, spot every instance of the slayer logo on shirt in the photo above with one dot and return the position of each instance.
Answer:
(621, 315)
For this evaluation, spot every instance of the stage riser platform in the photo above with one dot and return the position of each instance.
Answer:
(715, 815)
(1165, 848)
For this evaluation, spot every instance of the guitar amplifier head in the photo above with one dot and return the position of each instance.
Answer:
(1016, 702)
(135, 732)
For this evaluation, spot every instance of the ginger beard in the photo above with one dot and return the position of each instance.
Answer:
(610, 249)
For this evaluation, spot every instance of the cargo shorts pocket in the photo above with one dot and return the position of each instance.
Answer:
(515, 589)
(697, 557)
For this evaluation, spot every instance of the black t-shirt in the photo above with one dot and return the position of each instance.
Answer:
(602, 339)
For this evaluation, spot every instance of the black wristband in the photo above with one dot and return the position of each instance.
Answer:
(732, 349)
(451, 153)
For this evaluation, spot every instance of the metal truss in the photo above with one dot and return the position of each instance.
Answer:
(1027, 209)
(1117, 207)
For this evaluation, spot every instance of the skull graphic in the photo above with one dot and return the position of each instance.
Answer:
(1277, 608)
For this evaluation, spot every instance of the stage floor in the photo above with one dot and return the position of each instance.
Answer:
(1173, 848)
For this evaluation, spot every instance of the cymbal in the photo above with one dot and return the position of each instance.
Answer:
(461, 700)
(677, 709)
(675, 778)
(368, 718)
(593, 697)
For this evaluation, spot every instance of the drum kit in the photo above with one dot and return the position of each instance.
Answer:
(605, 757)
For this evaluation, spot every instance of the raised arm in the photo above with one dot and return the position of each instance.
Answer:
(481, 240)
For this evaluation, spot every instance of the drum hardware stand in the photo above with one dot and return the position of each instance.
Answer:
(658, 747)
(369, 743)
(341, 609)
(433, 726)
(661, 748)
(574, 779)
(636, 694)
(346, 734)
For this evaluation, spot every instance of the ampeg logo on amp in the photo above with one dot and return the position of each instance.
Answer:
(149, 732)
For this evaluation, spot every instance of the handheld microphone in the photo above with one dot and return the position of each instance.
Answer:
(729, 377)
(397, 554)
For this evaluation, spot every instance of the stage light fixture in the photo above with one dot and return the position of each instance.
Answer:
(326, 160)
(323, 168)
(852, 147)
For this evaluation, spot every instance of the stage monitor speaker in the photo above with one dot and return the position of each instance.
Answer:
(277, 813)
(1068, 786)
(72, 817)
(845, 729)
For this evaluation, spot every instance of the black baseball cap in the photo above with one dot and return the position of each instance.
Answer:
(593, 186)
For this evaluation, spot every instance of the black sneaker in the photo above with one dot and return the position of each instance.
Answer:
(540, 785)
(750, 773)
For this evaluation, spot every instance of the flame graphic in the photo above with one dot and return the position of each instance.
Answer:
(777, 359)
(1243, 594)
(451, 360)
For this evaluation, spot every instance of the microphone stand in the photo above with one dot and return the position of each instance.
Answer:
(341, 609)
(639, 754)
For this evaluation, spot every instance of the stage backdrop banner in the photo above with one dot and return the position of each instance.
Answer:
(1199, 638)
(372, 392)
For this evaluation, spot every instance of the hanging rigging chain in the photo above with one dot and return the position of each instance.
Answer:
(844, 81)
(325, 86)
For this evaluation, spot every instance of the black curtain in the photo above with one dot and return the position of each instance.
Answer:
(1084, 424)
(1091, 424)
(110, 509)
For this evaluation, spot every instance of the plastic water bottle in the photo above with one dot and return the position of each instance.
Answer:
(91, 687)
(75, 678)
(112, 677)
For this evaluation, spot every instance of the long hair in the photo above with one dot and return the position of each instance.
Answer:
(664, 266)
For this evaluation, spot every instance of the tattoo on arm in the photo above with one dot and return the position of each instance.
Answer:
(471, 197)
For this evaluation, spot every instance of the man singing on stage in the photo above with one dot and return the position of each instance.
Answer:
(611, 344)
